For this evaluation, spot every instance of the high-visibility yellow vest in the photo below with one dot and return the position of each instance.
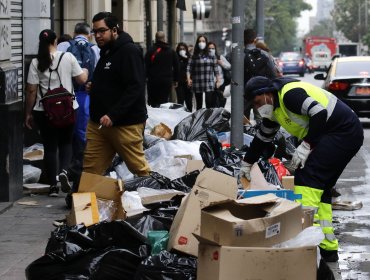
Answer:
(297, 125)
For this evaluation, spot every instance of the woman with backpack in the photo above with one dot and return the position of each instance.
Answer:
(50, 71)
(201, 72)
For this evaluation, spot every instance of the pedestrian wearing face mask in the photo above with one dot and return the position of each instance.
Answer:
(331, 135)
(201, 73)
(224, 68)
(183, 92)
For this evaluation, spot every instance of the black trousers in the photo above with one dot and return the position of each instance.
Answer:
(328, 159)
(57, 146)
(184, 93)
(210, 100)
(158, 92)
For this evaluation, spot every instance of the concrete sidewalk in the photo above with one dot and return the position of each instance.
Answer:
(25, 230)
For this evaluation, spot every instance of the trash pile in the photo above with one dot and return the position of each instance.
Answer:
(193, 217)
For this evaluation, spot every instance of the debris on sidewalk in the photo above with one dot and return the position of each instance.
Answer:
(28, 203)
(35, 188)
(346, 205)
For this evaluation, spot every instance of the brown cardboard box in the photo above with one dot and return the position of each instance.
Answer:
(104, 188)
(252, 263)
(84, 209)
(257, 221)
(209, 187)
(163, 131)
(194, 165)
(288, 182)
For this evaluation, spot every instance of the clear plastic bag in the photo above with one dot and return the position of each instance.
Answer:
(106, 208)
(311, 236)
(31, 174)
(131, 202)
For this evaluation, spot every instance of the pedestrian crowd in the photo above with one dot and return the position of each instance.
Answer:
(108, 81)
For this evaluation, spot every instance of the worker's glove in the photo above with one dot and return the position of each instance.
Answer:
(300, 155)
(245, 170)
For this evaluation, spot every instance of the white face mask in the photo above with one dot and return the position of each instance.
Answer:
(266, 110)
(182, 53)
(202, 45)
(212, 52)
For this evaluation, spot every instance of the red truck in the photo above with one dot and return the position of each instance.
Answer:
(320, 50)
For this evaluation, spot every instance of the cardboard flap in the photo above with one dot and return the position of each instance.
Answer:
(217, 182)
(203, 240)
(104, 187)
(260, 199)
(193, 165)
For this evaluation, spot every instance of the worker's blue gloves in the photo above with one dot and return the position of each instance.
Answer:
(245, 170)
(300, 155)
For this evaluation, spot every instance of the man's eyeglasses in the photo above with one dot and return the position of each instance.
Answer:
(100, 31)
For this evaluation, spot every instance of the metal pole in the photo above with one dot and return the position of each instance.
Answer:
(181, 26)
(195, 30)
(260, 17)
(237, 85)
(148, 24)
(159, 15)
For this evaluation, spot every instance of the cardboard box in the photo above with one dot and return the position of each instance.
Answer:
(260, 221)
(251, 263)
(209, 187)
(84, 209)
(104, 188)
(288, 182)
(194, 165)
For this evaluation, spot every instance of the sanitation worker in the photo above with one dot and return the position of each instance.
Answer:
(331, 135)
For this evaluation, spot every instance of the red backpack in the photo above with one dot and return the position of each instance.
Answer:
(58, 103)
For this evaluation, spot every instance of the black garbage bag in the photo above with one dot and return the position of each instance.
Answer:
(269, 172)
(80, 252)
(166, 266)
(185, 183)
(194, 127)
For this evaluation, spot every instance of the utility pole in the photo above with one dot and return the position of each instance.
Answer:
(159, 15)
(237, 84)
(260, 18)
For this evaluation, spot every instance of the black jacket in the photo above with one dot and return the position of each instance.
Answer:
(162, 63)
(118, 84)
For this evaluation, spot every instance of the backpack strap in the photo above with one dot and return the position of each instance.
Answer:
(51, 70)
(155, 54)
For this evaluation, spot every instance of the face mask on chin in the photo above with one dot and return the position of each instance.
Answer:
(266, 110)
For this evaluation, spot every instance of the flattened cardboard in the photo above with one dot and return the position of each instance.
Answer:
(104, 188)
(84, 209)
(258, 221)
(194, 165)
(251, 263)
(211, 186)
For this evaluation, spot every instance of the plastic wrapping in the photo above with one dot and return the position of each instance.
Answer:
(171, 117)
(158, 240)
(194, 127)
(166, 266)
(31, 174)
(269, 173)
(280, 169)
(151, 140)
(170, 167)
(311, 236)
(131, 202)
(102, 251)
(107, 209)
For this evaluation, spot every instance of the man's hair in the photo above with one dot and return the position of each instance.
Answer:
(249, 36)
(110, 20)
(160, 36)
(82, 28)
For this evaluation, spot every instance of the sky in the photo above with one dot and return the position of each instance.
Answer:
(303, 21)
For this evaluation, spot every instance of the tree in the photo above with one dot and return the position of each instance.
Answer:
(325, 28)
(349, 18)
(280, 31)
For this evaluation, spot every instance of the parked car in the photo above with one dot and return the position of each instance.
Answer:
(292, 63)
(348, 78)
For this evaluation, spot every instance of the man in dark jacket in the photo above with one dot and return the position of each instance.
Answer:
(162, 71)
(117, 101)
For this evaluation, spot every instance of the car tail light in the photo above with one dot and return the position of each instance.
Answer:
(301, 63)
(335, 86)
(281, 63)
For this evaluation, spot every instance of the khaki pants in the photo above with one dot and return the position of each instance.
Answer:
(104, 143)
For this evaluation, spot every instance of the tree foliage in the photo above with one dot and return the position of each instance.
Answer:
(324, 28)
(349, 18)
(280, 24)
